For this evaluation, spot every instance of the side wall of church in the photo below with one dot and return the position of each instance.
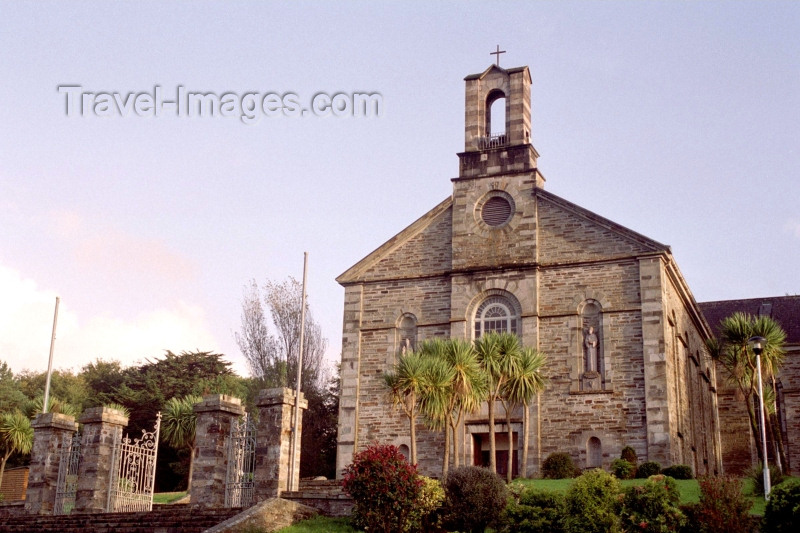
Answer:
(691, 378)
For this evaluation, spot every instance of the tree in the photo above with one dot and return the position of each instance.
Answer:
(272, 361)
(11, 397)
(406, 382)
(178, 427)
(16, 436)
(102, 379)
(522, 386)
(273, 358)
(497, 355)
(467, 391)
(733, 352)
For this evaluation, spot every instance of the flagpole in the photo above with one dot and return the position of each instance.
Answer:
(295, 428)
(50, 361)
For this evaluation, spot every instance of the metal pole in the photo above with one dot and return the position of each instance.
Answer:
(763, 426)
(50, 361)
(295, 432)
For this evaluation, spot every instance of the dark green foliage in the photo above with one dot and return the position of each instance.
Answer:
(629, 454)
(11, 396)
(318, 440)
(722, 507)
(652, 507)
(622, 468)
(782, 514)
(591, 504)
(559, 465)
(384, 487)
(474, 498)
(678, 472)
(534, 511)
(647, 469)
(756, 473)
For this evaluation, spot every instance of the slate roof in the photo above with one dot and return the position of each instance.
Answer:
(784, 309)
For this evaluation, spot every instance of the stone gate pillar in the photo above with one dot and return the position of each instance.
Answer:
(273, 442)
(102, 427)
(215, 414)
(50, 431)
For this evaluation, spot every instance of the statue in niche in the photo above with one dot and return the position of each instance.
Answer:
(406, 347)
(590, 347)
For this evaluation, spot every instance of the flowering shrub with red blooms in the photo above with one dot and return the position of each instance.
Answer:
(722, 507)
(385, 489)
(652, 507)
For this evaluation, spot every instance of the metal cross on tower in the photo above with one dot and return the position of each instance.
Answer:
(497, 53)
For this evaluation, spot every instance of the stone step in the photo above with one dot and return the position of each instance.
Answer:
(165, 519)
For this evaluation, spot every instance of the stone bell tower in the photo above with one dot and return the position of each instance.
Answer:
(487, 153)
(494, 212)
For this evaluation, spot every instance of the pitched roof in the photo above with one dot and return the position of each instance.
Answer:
(784, 309)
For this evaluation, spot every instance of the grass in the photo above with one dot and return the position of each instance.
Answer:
(167, 497)
(321, 524)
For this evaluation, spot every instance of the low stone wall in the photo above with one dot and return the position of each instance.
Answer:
(15, 484)
(326, 496)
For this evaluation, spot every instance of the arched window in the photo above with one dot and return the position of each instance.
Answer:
(594, 453)
(496, 313)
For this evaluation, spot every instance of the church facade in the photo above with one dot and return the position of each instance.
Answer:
(623, 335)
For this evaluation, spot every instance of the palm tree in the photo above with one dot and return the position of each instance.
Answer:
(522, 386)
(33, 408)
(405, 383)
(179, 425)
(468, 389)
(733, 352)
(434, 398)
(497, 355)
(16, 436)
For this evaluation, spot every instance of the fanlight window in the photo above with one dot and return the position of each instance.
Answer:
(495, 314)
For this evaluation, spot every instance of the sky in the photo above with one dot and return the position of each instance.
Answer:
(679, 120)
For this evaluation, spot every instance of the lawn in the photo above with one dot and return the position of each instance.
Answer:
(167, 497)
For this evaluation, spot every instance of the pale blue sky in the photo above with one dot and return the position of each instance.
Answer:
(679, 120)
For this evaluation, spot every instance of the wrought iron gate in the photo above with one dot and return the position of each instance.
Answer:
(133, 472)
(241, 445)
(67, 484)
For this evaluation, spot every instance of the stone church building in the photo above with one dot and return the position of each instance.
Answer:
(623, 335)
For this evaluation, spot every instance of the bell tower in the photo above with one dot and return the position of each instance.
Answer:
(508, 149)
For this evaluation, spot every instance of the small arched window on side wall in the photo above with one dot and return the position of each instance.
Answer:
(496, 313)
(407, 333)
(594, 453)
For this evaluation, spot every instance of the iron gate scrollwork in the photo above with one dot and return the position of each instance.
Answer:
(133, 472)
(67, 484)
(241, 445)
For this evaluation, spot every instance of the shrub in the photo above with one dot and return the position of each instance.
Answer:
(652, 507)
(384, 487)
(426, 515)
(678, 472)
(757, 475)
(622, 468)
(722, 508)
(782, 514)
(647, 469)
(629, 454)
(559, 465)
(591, 504)
(534, 511)
(474, 498)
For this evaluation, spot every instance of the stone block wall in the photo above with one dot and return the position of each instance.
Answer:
(50, 431)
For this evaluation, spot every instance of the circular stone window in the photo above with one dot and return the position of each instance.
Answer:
(497, 210)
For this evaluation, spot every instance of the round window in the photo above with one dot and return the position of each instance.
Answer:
(496, 211)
